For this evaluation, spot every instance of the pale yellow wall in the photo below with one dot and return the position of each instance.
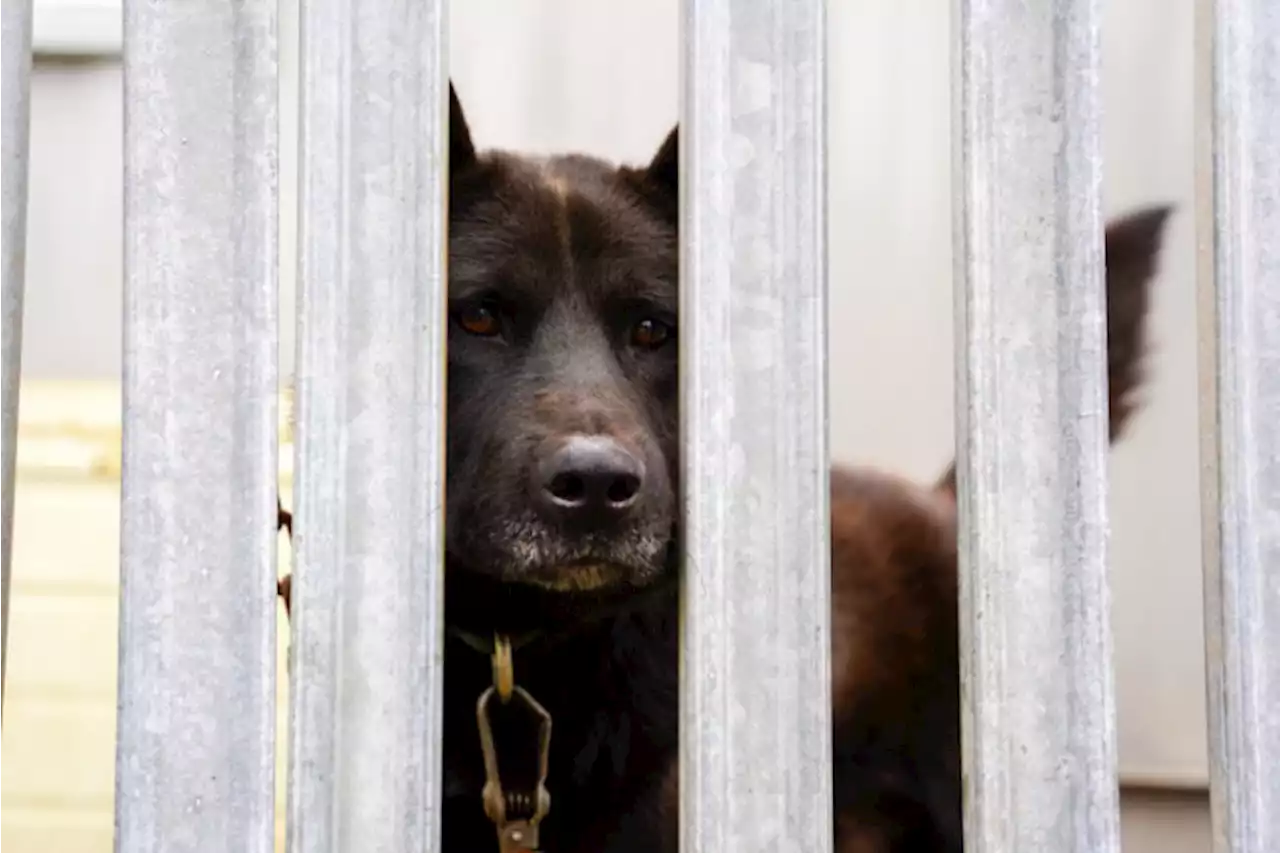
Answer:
(59, 715)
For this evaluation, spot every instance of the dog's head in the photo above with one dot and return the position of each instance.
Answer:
(563, 421)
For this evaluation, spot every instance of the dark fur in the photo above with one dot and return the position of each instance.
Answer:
(576, 251)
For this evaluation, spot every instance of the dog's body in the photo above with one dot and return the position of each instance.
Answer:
(562, 530)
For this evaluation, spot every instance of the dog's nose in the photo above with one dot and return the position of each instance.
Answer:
(589, 479)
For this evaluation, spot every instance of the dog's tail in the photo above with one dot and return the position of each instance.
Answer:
(1132, 246)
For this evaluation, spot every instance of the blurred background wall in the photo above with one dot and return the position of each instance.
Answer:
(603, 78)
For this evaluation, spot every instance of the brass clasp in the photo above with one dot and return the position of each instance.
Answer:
(515, 814)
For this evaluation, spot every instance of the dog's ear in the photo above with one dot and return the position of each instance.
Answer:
(462, 152)
(663, 170)
(659, 182)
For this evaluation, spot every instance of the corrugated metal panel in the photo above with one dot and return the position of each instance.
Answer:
(196, 727)
(1038, 715)
(755, 693)
(368, 583)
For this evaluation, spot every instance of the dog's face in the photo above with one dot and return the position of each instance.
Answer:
(562, 420)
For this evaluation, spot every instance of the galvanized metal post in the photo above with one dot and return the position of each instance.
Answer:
(17, 118)
(1037, 697)
(755, 692)
(368, 581)
(195, 759)
(1239, 225)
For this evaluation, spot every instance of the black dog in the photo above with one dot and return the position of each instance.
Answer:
(563, 532)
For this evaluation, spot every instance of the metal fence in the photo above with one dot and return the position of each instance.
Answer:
(1038, 710)
(196, 733)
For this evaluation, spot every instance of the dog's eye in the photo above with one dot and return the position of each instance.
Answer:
(480, 319)
(650, 333)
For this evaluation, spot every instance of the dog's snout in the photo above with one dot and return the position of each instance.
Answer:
(588, 479)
